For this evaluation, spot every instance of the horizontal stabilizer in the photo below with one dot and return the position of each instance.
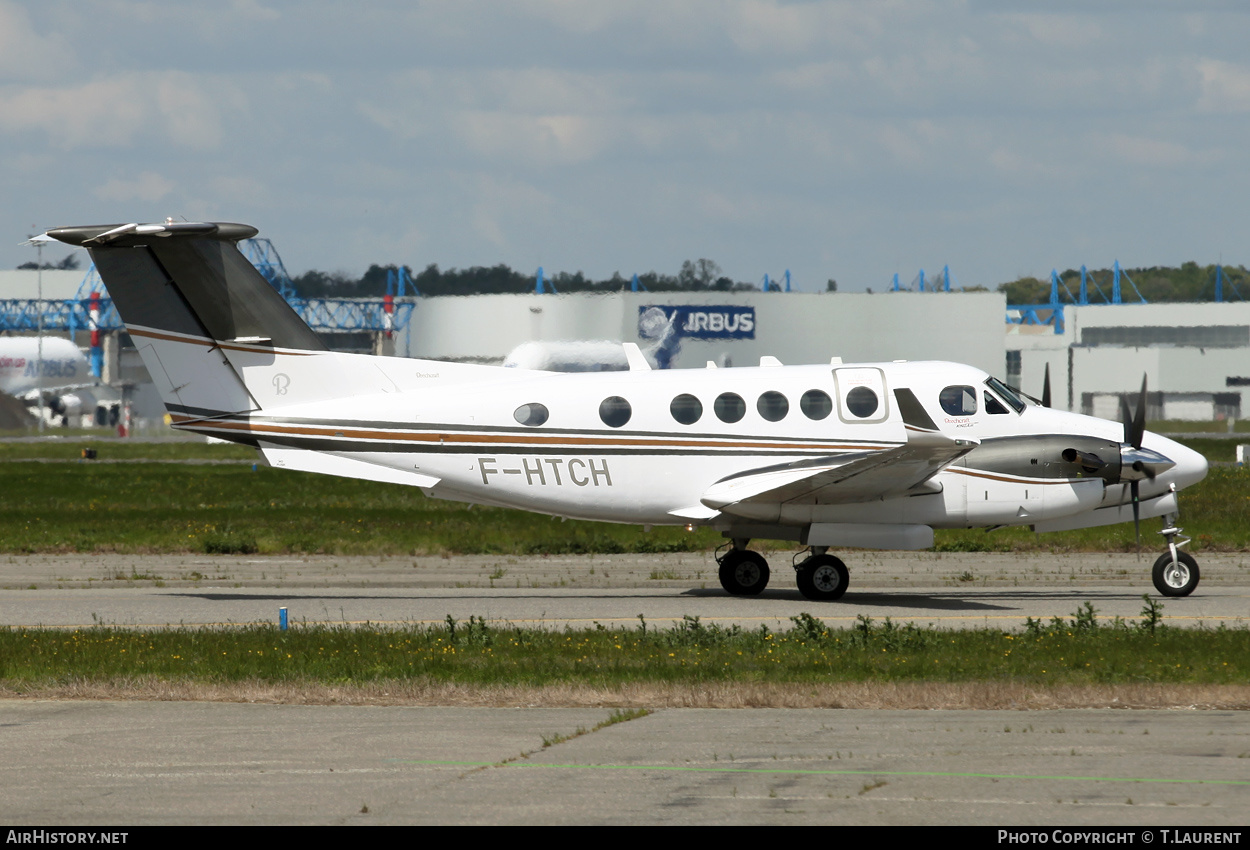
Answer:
(302, 460)
(213, 333)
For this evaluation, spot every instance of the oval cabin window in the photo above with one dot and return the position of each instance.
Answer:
(615, 411)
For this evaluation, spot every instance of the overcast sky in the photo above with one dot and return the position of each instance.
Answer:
(849, 140)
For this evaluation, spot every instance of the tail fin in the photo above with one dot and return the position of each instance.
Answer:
(213, 333)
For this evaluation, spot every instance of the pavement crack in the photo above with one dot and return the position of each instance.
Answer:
(621, 715)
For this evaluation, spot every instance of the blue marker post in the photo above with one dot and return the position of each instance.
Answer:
(282, 619)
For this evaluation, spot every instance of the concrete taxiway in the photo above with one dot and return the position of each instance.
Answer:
(205, 763)
(947, 590)
(91, 762)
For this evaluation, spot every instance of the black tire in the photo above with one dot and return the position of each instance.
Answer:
(744, 573)
(822, 578)
(1178, 580)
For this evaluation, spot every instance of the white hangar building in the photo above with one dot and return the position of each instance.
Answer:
(729, 328)
(1195, 357)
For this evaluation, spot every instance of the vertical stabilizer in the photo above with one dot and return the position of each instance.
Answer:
(215, 336)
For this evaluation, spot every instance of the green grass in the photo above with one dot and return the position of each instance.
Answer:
(1185, 426)
(1214, 449)
(228, 508)
(224, 509)
(120, 449)
(1073, 651)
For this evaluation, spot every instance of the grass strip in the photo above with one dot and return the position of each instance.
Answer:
(140, 508)
(1079, 651)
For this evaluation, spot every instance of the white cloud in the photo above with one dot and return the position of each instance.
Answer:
(1145, 151)
(148, 186)
(101, 113)
(540, 139)
(1063, 32)
(190, 118)
(770, 27)
(113, 111)
(505, 209)
(1225, 87)
(624, 132)
(26, 55)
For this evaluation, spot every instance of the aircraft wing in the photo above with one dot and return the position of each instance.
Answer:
(848, 478)
(60, 389)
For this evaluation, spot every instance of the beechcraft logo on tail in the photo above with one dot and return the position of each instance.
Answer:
(705, 321)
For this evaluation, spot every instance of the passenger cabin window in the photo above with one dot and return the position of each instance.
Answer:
(686, 409)
(959, 401)
(615, 411)
(993, 405)
(862, 402)
(532, 414)
(729, 407)
(861, 394)
(773, 406)
(816, 404)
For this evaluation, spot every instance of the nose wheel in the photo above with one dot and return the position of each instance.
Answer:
(1176, 572)
(1175, 576)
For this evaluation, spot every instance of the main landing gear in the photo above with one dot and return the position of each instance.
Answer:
(1176, 572)
(743, 572)
(821, 577)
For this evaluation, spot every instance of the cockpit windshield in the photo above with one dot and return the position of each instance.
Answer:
(1006, 393)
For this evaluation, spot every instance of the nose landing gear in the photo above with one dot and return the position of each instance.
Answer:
(1176, 572)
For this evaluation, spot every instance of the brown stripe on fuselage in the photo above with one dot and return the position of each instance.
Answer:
(259, 430)
(976, 473)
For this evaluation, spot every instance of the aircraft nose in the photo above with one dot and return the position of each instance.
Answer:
(1191, 466)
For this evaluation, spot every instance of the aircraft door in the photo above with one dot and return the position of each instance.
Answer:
(862, 394)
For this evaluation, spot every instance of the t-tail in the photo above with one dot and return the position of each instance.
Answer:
(217, 339)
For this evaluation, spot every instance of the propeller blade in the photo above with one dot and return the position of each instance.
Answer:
(1136, 516)
(1046, 387)
(1139, 421)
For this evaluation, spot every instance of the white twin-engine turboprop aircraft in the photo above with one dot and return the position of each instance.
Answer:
(872, 455)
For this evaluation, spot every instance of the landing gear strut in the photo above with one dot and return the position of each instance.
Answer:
(743, 572)
(1176, 572)
(821, 577)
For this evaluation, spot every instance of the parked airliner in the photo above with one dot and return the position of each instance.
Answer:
(54, 368)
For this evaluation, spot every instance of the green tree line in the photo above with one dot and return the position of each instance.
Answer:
(1189, 282)
(694, 276)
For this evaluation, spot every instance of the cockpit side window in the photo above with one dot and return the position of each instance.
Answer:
(993, 405)
(959, 401)
(1006, 393)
